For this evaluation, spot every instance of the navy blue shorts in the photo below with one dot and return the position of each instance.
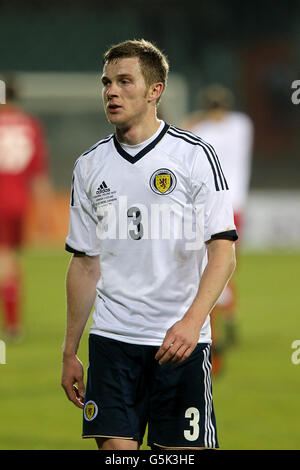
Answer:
(127, 389)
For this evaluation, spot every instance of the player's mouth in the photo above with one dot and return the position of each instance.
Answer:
(113, 108)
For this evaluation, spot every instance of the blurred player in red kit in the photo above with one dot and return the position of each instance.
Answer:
(23, 174)
(231, 134)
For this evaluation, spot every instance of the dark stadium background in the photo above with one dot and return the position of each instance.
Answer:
(55, 51)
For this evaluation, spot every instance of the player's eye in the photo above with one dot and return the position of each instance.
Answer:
(125, 81)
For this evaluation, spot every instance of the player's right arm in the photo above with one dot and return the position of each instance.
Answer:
(82, 277)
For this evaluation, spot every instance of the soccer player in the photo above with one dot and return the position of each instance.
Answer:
(231, 134)
(148, 204)
(23, 173)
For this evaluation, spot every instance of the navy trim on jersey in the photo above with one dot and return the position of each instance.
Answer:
(213, 152)
(215, 156)
(229, 235)
(219, 178)
(72, 190)
(206, 153)
(104, 141)
(145, 150)
(72, 250)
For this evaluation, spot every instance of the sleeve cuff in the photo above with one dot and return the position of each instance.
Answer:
(228, 235)
(72, 250)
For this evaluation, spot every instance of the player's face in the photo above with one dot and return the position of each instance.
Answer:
(124, 92)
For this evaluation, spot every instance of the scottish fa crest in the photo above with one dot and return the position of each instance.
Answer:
(90, 410)
(163, 181)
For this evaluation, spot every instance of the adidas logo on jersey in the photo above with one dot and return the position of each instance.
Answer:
(103, 188)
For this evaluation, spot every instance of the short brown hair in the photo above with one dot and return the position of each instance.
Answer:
(154, 64)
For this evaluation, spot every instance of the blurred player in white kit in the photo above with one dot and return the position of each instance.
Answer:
(231, 134)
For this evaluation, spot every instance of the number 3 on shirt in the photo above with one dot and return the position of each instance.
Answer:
(135, 213)
(194, 416)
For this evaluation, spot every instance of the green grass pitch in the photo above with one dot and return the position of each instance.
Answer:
(256, 398)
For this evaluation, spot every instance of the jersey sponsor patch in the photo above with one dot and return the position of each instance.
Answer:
(163, 181)
(90, 410)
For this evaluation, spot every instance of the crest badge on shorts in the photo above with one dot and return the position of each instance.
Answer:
(90, 410)
(163, 181)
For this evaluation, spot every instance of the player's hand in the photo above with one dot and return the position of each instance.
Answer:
(180, 341)
(72, 373)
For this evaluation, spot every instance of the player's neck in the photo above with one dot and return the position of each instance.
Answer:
(216, 114)
(137, 133)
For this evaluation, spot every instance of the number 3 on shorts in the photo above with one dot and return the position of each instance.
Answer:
(193, 415)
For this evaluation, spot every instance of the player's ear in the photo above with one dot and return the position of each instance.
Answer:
(155, 91)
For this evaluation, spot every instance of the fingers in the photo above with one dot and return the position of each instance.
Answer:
(79, 396)
(72, 373)
(81, 390)
(164, 351)
(75, 394)
(181, 354)
(173, 353)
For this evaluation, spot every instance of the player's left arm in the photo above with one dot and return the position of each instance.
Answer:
(182, 338)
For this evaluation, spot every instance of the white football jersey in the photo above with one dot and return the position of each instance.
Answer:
(232, 139)
(148, 216)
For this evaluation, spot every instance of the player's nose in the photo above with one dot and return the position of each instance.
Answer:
(111, 91)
